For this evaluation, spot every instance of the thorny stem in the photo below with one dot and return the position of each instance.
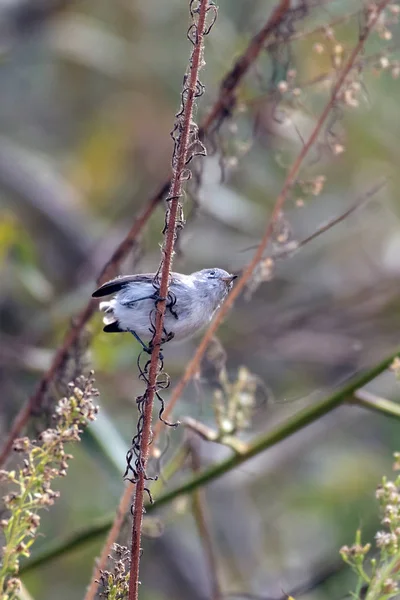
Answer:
(215, 117)
(176, 190)
(193, 366)
(218, 113)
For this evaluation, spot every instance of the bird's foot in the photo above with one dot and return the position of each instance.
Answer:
(146, 348)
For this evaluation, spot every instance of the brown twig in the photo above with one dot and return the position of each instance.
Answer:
(218, 113)
(361, 201)
(184, 129)
(193, 366)
(332, 222)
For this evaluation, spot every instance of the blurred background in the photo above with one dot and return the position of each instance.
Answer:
(89, 94)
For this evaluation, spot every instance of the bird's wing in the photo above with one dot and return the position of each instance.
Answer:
(113, 286)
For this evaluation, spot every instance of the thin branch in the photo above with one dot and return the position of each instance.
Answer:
(218, 113)
(376, 403)
(193, 366)
(361, 201)
(280, 433)
(184, 129)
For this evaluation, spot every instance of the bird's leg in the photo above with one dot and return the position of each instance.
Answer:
(167, 335)
(160, 354)
(135, 335)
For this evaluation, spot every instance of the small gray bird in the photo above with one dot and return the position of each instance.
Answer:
(191, 304)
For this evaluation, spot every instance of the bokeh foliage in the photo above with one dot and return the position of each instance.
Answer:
(89, 97)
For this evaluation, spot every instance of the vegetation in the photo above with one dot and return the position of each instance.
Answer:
(283, 168)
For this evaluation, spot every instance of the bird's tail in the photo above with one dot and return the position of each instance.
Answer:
(109, 319)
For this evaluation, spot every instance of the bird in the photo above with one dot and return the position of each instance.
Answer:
(192, 301)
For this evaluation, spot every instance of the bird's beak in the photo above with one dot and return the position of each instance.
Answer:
(228, 280)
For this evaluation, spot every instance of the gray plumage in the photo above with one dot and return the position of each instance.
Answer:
(191, 305)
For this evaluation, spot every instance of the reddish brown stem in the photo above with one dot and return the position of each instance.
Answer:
(180, 160)
(193, 365)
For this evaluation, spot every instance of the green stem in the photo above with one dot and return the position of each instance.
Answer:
(376, 403)
(265, 441)
(75, 540)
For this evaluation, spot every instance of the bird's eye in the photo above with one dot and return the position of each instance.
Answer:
(211, 274)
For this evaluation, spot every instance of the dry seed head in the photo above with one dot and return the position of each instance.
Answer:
(283, 86)
(319, 48)
(227, 426)
(389, 586)
(13, 585)
(156, 453)
(266, 268)
(395, 72)
(317, 185)
(395, 366)
(349, 98)
(338, 149)
(22, 444)
(384, 62)
(396, 465)
(329, 33)
(231, 162)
